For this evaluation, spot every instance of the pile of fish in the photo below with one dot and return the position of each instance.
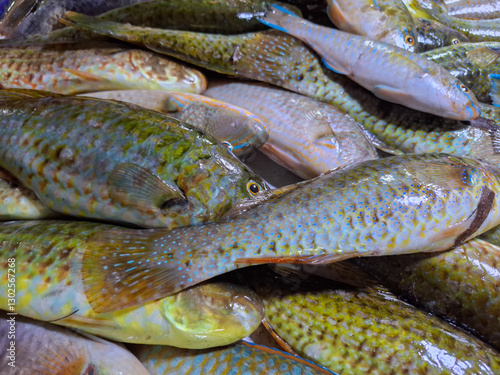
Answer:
(250, 187)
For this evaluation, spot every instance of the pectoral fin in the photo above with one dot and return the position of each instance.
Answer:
(85, 76)
(484, 56)
(391, 94)
(337, 16)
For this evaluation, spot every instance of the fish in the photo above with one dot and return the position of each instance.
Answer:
(459, 285)
(73, 69)
(242, 358)
(387, 21)
(46, 349)
(241, 131)
(475, 64)
(492, 236)
(366, 330)
(415, 82)
(118, 162)
(305, 136)
(432, 34)
(49, 287)
(282, 60)
(473, 9)
(394, 205)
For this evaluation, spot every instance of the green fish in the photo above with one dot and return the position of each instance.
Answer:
(366, 330)
(242, 358)
(432, 34)
(460, 285)
(48, 286)
(46, 349)
(72, 69)
(394, 205)
(473, 9)
(114, 161)
(282, 60)
(238, 129)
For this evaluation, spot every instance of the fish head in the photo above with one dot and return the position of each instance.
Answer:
(432, 34)
(165, 74)
(403, 38)
(457, 101)
(212, 314)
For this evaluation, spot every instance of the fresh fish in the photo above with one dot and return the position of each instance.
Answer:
(71, 69)
(394, 205)
(43, 348)
(367, 330)
(474, 64)
(459, 285)
(114, 161)
(387, 21)
(305, 136)
(242, 358)
(282, 60)
(473, 9)
(237, 128)
(14, 12)
(432, 34)
(49, 287)
(414, 82)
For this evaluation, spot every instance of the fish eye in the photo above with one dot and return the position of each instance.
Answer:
(253, 187)
(410, 40)
(228, 145)
(464, 88)
(455, 41)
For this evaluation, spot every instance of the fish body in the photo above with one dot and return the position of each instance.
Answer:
(387, 21)
(44, 348)
(49, 287)
(68, 69)
(394, 205)
(242, 358)
(415, 82)
(432, 34)
(473, 9)
(305, 136)
(367, 330)
(112, 161)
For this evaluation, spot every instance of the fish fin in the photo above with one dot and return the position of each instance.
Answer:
(284, 345)
(83, 322)
(494, 91)
(484, 56)
(336, 15)
(304, 259)
(85, 76)
(134, 186)
(23, 94)
(274, 17)
(287, 160)
(390, 94)
(334, 67)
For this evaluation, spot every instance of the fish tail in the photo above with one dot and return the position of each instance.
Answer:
(277, 17)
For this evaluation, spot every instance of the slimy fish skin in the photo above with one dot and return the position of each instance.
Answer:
(473, 9)
(394, 205)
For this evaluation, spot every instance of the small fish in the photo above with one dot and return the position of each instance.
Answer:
(473, 9)
(49, 287)
(72, 69)
(432, 34)
(242, 358)
(366, 330)
(305, 136)
(394, 205)
(414, 82)
(235, 127)
(46, 349)
(460, 285)
(114, 161)
(387, 21)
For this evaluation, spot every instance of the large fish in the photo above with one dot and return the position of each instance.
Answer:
(114, 161)
(48, 286)
(43, 348)
(72, 69)
(394, 205)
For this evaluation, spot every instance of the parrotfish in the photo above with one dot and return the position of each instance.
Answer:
(49, 287)
(432, 34)
(43, 348)
(242, 358)
(460, 285)
(72, 69)
(414, 81)
(305, 136)
(395, 205)
(473, 9)
(387, 21)
(367, 330)
(235, 127)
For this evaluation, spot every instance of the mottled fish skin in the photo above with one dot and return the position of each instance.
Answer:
(46, 349)
(368, 331)
(394, 205)
(85, 157)
(305, 136)
(72, 69)
(387, 21)
(237, 128)
(49, 287)
(240, 359)
(473, 9)
(432, 34)
(471, 63)
(414, 82)
(460, 285)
